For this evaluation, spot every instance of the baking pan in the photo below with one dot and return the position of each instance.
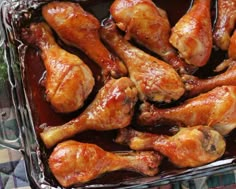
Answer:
(25, 68)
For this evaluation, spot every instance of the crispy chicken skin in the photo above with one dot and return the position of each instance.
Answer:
(69, 80)
(80, 29)
(195, 85)
(232, 46)
(216, 108)
(148, 24)
(190, 147)
(192, 34)
(225, 23)
(112, 108)
(155, 80)
(73, 162)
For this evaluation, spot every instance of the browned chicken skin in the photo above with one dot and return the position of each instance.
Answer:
(216, 108)
(195, 86)
(190, 147)
(192, 34)
(225, 23)
(69, 80)
(73, 162)
(155, 80)
(143, 21)
(79, 28)
(232, 46)
(112, 108)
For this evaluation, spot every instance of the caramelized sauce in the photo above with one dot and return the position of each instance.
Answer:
(43, 113)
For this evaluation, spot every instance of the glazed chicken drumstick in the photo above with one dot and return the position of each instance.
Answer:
(155, 80)
(190, 147)
(232, 46)
(112, 108)
(73, 162)
(79, 28)
(192, 34)
(69, 80)
(225, 23)
(216, 108)
(143, 21)
(195, 85)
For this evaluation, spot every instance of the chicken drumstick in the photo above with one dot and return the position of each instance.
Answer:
(155, 80)
(195, 85)
(73, 162)
(79, 28)
(192, 34)
(143, 21)
(216, 108)
(232, 46)
(225, 23)
(69, 80)
(112, 108)
(190, 147)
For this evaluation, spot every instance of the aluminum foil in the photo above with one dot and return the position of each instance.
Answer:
(14, 13)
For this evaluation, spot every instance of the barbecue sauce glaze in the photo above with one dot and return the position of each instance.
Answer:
(43, 113)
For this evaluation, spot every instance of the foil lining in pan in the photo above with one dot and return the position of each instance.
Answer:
(14, 16)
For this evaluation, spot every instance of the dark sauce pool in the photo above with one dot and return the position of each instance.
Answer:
(43, 113)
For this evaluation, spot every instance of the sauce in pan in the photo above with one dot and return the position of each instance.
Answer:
(43, 113)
